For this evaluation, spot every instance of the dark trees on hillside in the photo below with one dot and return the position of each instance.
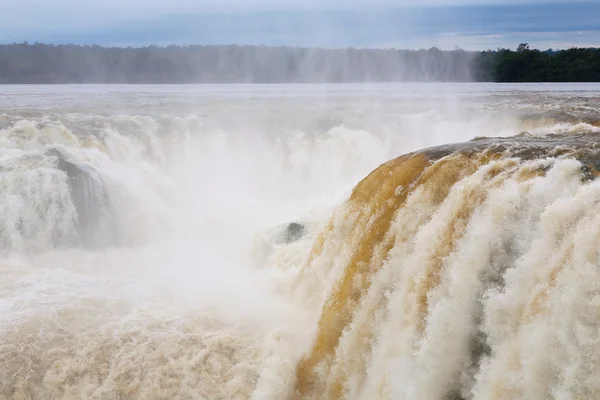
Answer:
(526, 65)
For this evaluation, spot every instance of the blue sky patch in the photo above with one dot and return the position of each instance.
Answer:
(389, 24)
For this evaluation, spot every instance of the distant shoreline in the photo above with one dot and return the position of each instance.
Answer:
(24, 63)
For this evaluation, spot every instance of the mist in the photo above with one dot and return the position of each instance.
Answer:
(275, 200)
(39, 63)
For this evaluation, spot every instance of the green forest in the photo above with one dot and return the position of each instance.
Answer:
(43, 63)
(530, 65)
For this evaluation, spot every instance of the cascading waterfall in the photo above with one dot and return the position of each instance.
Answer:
(467, 271)
(274, 247)
(129, 264)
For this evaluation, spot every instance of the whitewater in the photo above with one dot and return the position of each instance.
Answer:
(406, 241)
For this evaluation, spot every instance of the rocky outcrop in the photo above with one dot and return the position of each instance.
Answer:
(289, 233)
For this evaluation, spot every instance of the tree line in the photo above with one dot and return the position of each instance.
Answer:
(43, 63)
(531, 65)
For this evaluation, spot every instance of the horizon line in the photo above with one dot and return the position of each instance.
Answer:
(296, 47)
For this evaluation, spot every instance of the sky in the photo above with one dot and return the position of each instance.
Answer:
(407, 24)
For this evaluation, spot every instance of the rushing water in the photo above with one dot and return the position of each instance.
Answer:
(214, 242)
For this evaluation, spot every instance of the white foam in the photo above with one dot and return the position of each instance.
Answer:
(192, 298)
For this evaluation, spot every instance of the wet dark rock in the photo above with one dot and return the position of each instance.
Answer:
(290, 233)
(453, 394)
(586, 173)
(294, 232)
(583, 146)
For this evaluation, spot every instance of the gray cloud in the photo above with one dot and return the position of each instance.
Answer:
(300, 22)
(28, 13)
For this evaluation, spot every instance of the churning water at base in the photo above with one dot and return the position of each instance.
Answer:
(227, 243)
